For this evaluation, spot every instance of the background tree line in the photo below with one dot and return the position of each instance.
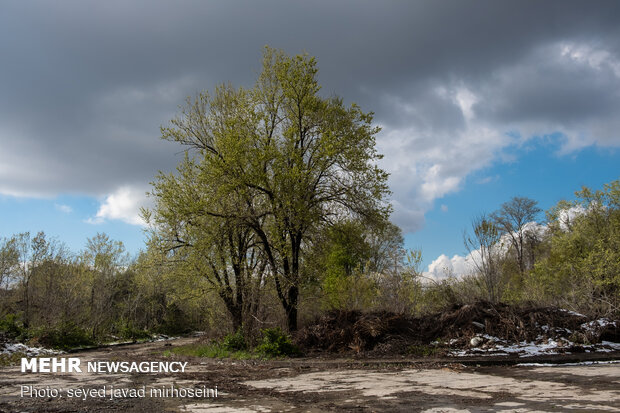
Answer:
(570, 259)
(52, 296)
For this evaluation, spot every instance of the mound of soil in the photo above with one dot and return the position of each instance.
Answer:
(385, 332)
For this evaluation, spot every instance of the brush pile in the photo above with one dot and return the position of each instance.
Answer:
(477, 328)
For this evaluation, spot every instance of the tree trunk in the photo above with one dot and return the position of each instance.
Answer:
(237, 321)
(291, 310)
(235, 309)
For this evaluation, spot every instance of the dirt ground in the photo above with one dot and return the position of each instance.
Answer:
(328, 384)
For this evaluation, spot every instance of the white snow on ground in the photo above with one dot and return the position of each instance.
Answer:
(572, 313)
(494, 346)
(581, 363)
(10, 348)
(487, 345)
(597, 324)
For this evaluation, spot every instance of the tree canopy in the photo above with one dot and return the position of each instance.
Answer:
(278, 159)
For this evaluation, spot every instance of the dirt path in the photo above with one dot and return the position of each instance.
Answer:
(311, 385)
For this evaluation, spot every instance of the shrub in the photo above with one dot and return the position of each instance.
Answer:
(128, 331)
(65, 336)
(275, 343)
(11, 326)
(234, 342)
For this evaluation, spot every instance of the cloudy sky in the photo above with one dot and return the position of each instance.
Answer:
(478, 101)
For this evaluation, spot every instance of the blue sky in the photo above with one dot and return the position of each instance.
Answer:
(65, 218)
(473, 108)
(537, 172)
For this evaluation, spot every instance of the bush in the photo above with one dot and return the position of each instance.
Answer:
(234, 342)
(64, 337)
(128, 331)
(275, 343)
(11, 326)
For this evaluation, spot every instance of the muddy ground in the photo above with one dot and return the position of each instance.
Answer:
(331, 384)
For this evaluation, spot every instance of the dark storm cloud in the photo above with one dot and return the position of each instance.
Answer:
(86, 85)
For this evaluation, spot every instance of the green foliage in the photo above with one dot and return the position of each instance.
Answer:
(234, 342)
(343, 255)
(12, 326)
(128, 331)
(214, 349)
(175, 321)
(442, 294)
(65, 336)
(355, 291)
(278, 160)
(362, 264)
(581, 269)
(275, 343)
(9, 259)
(347, 249)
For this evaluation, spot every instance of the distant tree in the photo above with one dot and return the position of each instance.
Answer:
(104, 260)
(512, 219)
(483, 246)
(9, 260)
(385, 243)
(105, 255)
(39, 261)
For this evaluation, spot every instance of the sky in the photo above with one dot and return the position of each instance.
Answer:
(478, 101)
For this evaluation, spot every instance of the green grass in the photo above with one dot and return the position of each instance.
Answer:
(274, 343)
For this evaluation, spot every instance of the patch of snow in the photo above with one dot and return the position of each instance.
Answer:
(10, 348)
(498, 347)
(596, 324)
(572, 313)
(163, 337)
(581, 363)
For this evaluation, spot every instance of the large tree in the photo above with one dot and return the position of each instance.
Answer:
(292, 160)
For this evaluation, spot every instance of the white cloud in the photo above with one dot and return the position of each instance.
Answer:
(63, 208)
(459, 266)
(442, 132)
(567, 216)
(427, 165)
(123, 204)
(444, 267)
(596, 58)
